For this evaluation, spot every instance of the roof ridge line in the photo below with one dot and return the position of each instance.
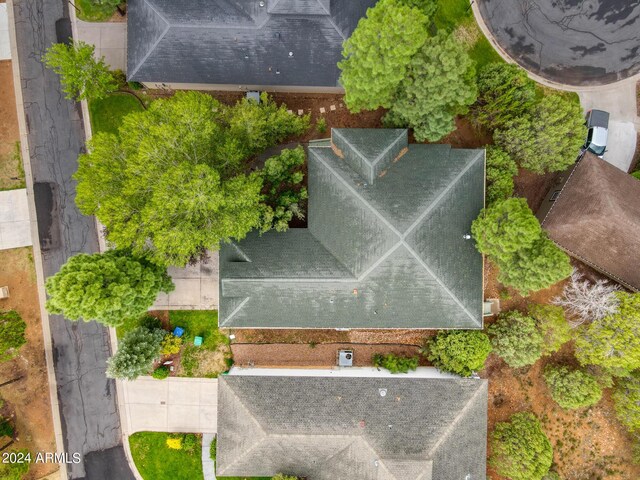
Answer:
(377, 263)
(439, 198)
(322, 6)
(440, 282)
(461, 414)
(155, 44)
(379, 157)
(294, 279)
(358, 152)
(234, 312)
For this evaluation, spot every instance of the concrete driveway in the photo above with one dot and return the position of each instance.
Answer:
(187, 405)
(572, 42)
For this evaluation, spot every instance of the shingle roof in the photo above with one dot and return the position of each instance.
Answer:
(238, 41)
(596, 218)
(338, 428)
(381, 251)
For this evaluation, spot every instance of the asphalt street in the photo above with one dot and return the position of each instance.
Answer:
(90, 420)
(574, 42)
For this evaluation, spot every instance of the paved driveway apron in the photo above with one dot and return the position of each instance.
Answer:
(574, 42)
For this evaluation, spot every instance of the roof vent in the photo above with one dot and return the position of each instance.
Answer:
(290, 54)
(261, 3)
(466, 236)
(382, 392)
(345, 358)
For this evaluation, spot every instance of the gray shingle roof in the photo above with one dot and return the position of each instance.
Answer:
(238, 41)
(381, 251)
(342, 428)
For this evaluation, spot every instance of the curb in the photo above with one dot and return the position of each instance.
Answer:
(537, 78)
(37, 254)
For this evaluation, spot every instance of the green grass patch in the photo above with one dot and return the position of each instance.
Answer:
(127, 326)
(483, 53)
(107, 113)
(91, 11)
(451, 13)
(155, 461)
(201, 323)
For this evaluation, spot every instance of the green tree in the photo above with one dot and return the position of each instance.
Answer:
(500, 172)
(283, 190)
(439, 84)
(626, 397)
(520, 450)
(516, 339)
(572, 389)
(458, 351)
(172, 184)
(83, 77)
(553, 326)
(505, 92)
(428, 7)
(547, 140)
(136, 353)
(613, 342)
(376, 56)
(107, 287)
(12, 329)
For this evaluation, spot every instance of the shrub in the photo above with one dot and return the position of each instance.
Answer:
(500, 172)
(120, 78)
(6, 429)
(282, 476)
(516, 339)
(553, 326)
(136, 353)
(170, 344)
(588, 301)
(552, 476)
(458, 351)
(321, 125)
(161, 372)
(626, 397)
(395, 363)
(189, 442)
(520, 450)
(12, 329)
(14, 471)
(174, 443)
(572, 389)
(212, 448)
(135, 85)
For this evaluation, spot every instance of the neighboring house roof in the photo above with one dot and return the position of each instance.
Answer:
(336, 428)
(596, 219)
(239, 42)
(385, 245)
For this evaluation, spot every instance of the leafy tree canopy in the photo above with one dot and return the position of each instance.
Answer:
(501, 169)
(107, 287)
(505, 93)
(547, 140)
(572, 389)
(613, 342)
(172, 184)
(439, 84)
(12, 329)
(376, 56)
(626, 397)
(83, 77)
(136, 353)
(553, 326)
(458, 351)
(520, 449)
(516, 339)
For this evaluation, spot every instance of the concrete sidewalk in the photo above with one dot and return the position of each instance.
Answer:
(188, 405)
(109, 38)
(15, 226)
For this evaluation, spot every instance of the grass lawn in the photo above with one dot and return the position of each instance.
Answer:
(201, 323)
(155, 461)
(451, 13)
(91, 11)
(107, 113)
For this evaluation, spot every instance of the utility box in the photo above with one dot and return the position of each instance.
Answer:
(345, 358)
(4, 292)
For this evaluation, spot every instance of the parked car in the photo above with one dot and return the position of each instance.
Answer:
(598, 130)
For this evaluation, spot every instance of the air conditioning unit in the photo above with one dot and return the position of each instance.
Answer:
(345, 358)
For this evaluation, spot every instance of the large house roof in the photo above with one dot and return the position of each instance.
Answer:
(596, 219)
(342, 427)
(386, 244)
(240, 42)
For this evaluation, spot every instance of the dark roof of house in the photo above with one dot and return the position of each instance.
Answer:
(596, 219)
(239, 42)
(342, 427)
(385, 245)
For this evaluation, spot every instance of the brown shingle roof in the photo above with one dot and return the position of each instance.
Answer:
(596, 219)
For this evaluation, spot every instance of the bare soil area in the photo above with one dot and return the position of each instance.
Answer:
(28, 398)
(10, 170)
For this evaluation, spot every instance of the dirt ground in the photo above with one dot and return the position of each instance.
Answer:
(10, 172)
(28, 398)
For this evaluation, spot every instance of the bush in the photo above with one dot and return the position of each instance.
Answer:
(553, 326)
(520, 450)
(458, 351)
(6, 429)
(321, 125)
(552, 476)
(174, 442)
(120, 78)
(161, 372)
(395, 363)
(14, 471)
(135, 85)
(189, 442)
(12, 329)
(282, 476)
(136, 353)
(212, 448)
(500, 172)
(626, 397)
(516, 339)
(572, 389)
(170, 344)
